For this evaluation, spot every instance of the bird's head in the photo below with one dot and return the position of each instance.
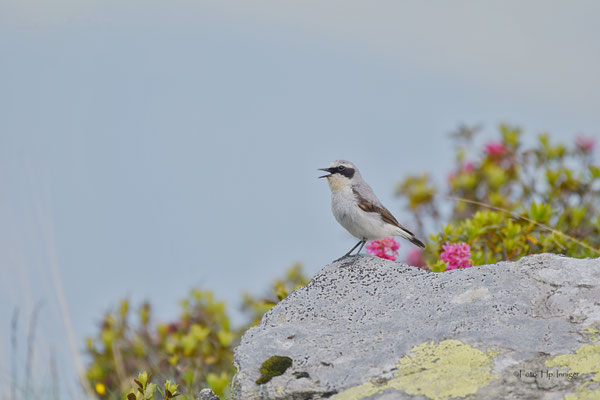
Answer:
(341, 174)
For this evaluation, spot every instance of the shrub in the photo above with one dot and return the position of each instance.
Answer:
(195, 350)
(508, 200)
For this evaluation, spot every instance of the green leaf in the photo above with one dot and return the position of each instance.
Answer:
(218, 383)
(510, 135)
(439, 266)
(143, 378)
(171, 387)
(225, 338)
(150, 389)
(189, 344)
(199, 332)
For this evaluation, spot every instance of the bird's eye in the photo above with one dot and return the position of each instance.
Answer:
(341, 168)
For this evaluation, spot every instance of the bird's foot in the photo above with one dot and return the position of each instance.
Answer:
(353, 260)
(349, 263)
(340, 259)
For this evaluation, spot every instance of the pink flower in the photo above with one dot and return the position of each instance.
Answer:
(415, 258)
(495, 149)
(452, 176)
(584, 143)
(384, 248)
(468, 167)
(456, 255)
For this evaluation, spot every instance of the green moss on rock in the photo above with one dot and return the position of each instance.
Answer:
(273, 366)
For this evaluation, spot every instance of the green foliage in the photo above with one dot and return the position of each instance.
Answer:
(145, 389)
(273, 366)
(257, 306)
(195, 350)
(511, 200)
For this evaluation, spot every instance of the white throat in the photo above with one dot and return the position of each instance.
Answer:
(337, 182)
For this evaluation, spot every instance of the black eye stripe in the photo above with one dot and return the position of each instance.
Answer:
(347, 172)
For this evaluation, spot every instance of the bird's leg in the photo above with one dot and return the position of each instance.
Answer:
(348, 253)
(352, 249)
(357, 253)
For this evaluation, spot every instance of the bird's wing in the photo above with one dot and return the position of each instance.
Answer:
(386, 216)
(361, 187)
(368, 202)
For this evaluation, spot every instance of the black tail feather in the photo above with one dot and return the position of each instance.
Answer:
(416, 242)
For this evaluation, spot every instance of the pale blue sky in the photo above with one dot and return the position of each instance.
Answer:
(147, 147)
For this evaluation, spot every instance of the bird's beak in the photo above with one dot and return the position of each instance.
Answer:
(326, 170)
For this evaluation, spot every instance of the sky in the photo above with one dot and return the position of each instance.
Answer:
(150, 147)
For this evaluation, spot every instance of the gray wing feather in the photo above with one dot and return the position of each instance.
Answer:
(366, 192)
(368, 202)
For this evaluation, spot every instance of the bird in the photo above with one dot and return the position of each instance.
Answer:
(356, 207)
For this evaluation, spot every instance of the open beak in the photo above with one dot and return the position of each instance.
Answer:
(326, 170)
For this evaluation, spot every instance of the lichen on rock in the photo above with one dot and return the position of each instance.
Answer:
(273, 366)
(584, 361)
(438, 371)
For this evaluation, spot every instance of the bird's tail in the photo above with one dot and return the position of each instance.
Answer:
(416, 242)
(408, 235)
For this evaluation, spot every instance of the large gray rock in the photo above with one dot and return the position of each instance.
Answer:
(383, 330)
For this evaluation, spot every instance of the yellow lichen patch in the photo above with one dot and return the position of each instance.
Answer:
(584, 394)
(585, 360)
(438, 371)
(594, 334)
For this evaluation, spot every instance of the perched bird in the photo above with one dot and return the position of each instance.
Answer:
(357, 209)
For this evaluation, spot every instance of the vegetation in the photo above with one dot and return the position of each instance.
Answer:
(510, 201)
(196, 350)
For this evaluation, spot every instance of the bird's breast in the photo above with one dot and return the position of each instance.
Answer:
(342, 204)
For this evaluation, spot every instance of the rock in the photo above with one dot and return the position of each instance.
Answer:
(384, 330)
(207, 394)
